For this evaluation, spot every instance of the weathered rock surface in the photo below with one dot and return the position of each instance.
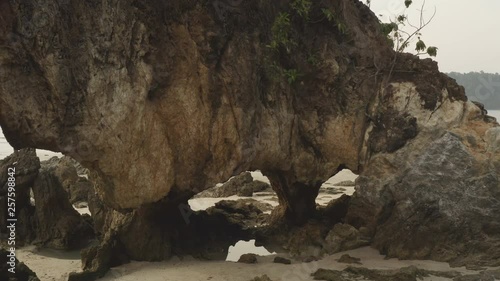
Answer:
(248, 258)
(65, 169)
(410, 273)
(325, 234)
(487, 275)
(204, 234)
(248, 214)
(173, 97)
(164, 99)
(80, 190)
(52, 222)
(241, 185)
(261, 278)
(348, 259)
(442, 207)
(59, 225)
(26, 165)
(21, 271)
(344, 237)
(282, 260)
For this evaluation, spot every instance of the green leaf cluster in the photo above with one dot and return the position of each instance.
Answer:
(281, 30)
(302, 8)
(331, 17)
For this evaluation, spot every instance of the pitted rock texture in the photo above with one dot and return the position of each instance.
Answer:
(25, 165)
(51, 221)
(173, 97)
(163, 99)
(65, 169)
(59, 225)
(410, 273)
(442, 207)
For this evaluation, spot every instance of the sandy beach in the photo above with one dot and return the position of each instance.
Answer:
(195, 140)
(54, 267)
(51, 265)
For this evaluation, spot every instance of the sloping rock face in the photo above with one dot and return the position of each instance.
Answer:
(443, 206)
(436, 197)
(163, 99)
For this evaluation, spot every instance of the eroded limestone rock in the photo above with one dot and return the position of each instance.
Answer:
(164, 99)
(344, 237)
(26, 165)
(410, 273)
(65, 169)
(442, 206)
(248, 258)
(52, 221)
(348, 259)
(59, 225)
(261, 278)
(238, 185)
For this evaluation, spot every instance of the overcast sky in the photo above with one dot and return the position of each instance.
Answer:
(467, 32)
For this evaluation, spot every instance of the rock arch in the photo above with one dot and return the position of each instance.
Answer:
(162, 101)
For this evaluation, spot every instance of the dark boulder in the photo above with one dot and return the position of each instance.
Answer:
(248, 258)
(409, 273)
(66, 170)
(282, 260)
(444, 207)
(60, 226)
(26, 165)
(237, 185)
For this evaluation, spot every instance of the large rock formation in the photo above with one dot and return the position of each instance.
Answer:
(442, 205)
(163, 99)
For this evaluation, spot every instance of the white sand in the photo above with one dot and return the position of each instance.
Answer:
(50, 265)
(56, 265)
(190, 269)
(322, 199)
(50, 268)
(246, 247)
(82, 211)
